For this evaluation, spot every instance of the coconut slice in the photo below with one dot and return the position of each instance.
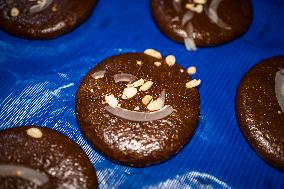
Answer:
(140, 116)
(99, 74)
(40, 6)
(279, 88)
(212, 13)
(124, 77)
(37, 177)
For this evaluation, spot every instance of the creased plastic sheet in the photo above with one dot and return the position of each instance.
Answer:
(39, 80)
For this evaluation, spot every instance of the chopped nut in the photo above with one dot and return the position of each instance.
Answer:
(153, 53)
(198, 8)
(18, 173)
(191, 70)
(54, 8)
(175, 19)
(146, 86)
(139, 62)
(147, 99)
(99, 74)
(156, 105)
(14, 12)
(200, 1)
(129, 93)
(34, 132)
(39, 1)
(157, 64)
(171, 60)
(111, 100)
(189, 6)
(137, 83)
(181, 70)
(193, 83)
(136, 108)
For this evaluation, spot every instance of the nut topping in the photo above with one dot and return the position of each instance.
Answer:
(129, 93)
(14, 12)
(153, 53)
(171, 60)
(111, 100)
(137, 83)
(34, 132)
(191, 70)
(147, 99)
(193, 83)
(146, 86)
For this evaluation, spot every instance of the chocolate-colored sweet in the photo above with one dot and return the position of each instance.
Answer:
(203, 22)
(260, 109)
(128, 133)
(37, 157)
(43, 19)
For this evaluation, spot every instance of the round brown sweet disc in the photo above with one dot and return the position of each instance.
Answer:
(174, 20)
(43, 19)
(260, 109)
(40, 158)
(126, 140)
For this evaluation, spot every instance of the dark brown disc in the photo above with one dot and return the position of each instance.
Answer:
(40, 158)
(133, 142)
(260, 106)
(43, 19)
(170, 17)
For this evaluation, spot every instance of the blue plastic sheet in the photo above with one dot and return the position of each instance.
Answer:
(39, 80)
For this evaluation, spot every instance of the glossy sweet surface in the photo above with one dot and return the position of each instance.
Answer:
(130, 142)
(42, 159)
(236, 14)
(57, 18)
(260, 116)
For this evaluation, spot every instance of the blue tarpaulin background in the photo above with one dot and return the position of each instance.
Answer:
(39, 80)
